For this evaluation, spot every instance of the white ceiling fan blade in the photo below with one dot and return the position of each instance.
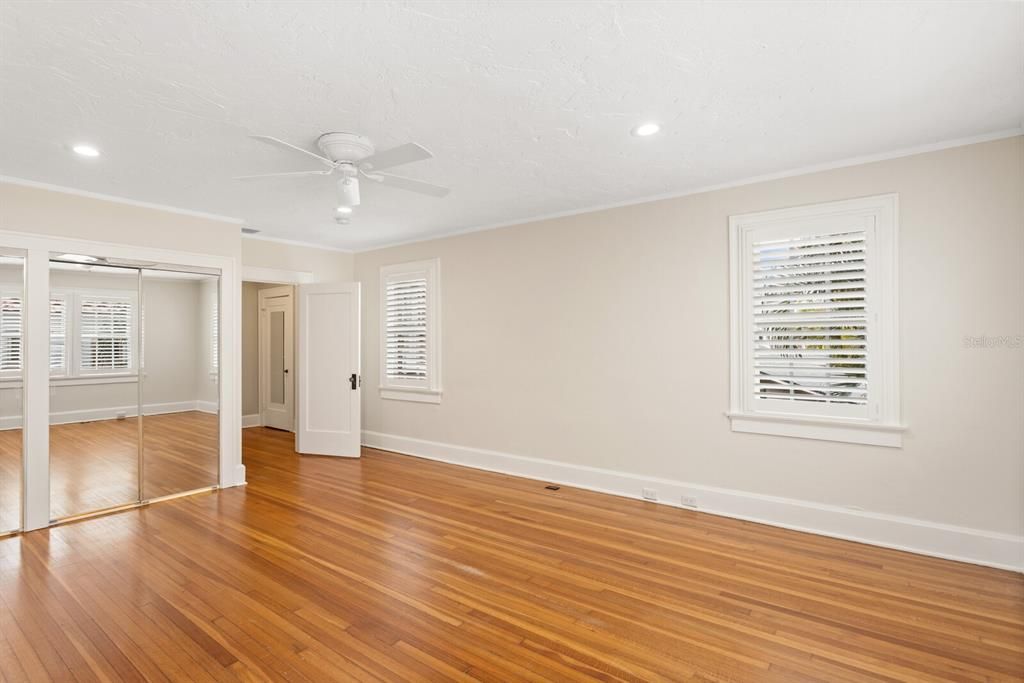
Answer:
(396, 156)
(288, 145)
(281, 175)
(410, 184)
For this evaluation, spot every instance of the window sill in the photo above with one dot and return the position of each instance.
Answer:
(56, 381)
(410, 394)
(868, 433)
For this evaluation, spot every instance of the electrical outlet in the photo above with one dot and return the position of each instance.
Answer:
(688, 501)
(649, 494)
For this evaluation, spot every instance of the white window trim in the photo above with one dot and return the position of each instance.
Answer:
(883, 425)
(430, 391)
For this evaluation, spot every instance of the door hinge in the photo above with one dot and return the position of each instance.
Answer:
(356, 381)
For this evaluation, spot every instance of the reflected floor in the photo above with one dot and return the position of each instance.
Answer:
(94, 465)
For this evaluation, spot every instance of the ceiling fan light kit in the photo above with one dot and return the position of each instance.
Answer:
(348, 191)
(350, 155)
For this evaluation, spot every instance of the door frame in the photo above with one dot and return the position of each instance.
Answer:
(36, 377)
(263, 349)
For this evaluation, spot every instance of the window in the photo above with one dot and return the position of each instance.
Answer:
(104, 334)
(813, 322)
(58, 335)
(410, 334)
(10, 335)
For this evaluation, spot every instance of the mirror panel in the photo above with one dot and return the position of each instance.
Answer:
(277, 369)
(94, 388)
(180, 382)
(12, 282)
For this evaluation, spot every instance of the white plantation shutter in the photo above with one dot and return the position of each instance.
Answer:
(105, 334)
(410, 336)
(58, 335)
(11, 356)
(214, 337)
(406, 330)
(813, 334)
(10, 334)
(809, 325)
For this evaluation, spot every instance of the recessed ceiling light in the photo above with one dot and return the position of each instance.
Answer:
(645, 129)
(85, 150)
(344, 209)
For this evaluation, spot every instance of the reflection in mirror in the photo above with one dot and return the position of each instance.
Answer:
(11, 297)
(94, 390)
(277, 351)
(180, 373)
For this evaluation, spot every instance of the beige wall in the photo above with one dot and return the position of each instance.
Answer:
(603, 340)
(49, 212)
(325, 265)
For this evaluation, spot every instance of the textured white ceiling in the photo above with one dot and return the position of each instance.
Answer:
(527, 106)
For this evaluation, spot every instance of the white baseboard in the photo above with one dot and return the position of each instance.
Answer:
(963, 544)
(207, 407)
(255, 420)
(109, 413)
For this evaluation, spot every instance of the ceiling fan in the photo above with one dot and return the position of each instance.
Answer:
(351, 156)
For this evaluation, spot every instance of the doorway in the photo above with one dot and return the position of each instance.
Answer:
(277, 357)
(301, 360)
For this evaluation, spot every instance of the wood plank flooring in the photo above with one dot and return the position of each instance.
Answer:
(94, 465)
(395, 568)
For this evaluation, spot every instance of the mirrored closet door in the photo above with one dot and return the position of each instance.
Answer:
(94, 386)
(180, 382)
(12, 278)
(134, 383)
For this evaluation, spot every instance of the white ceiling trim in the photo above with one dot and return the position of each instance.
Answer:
(804, 170)
(119, 200)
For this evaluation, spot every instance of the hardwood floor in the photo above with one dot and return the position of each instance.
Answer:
(94, 465)
(395, 568)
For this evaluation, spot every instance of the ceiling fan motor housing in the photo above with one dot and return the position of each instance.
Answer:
(345, 146)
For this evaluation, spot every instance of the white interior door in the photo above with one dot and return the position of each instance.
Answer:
(328, 360)
(277, 367)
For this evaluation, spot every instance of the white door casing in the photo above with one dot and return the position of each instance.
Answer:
(276, 357)
(328, 380)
